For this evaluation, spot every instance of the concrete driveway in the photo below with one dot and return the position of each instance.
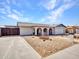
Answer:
(16, 48)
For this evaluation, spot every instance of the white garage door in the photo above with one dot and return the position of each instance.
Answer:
(59, 30)
(26, 31)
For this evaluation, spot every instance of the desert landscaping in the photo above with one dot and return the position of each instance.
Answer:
(47, 45)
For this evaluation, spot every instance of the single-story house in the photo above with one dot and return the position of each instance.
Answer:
(24, 28)
(40, 29)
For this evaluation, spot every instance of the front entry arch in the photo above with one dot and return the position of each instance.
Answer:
(50, 31)
(39, 31)
(45, 31)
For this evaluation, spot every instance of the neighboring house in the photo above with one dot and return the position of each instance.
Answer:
(1, 28)
(9, 30)
(71, 29)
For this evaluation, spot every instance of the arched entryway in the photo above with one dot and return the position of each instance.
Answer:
(33, 31)
(39, 31)
(50, 31)
(45, 31)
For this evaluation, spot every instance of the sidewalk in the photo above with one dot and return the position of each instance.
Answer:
(69, 53)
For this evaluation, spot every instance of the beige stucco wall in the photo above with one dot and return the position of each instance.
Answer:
(53, 30)
(70, 30)
(26, 31)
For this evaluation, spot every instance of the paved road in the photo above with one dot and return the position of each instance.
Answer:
(16, 48)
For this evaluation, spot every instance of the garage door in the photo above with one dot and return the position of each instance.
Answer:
(26, 31)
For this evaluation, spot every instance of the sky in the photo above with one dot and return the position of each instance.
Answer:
(39, 11)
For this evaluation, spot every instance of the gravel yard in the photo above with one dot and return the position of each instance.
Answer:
(46, 46)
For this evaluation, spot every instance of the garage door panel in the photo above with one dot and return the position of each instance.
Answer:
(26, 31)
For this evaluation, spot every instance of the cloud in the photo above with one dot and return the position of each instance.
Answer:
(17, 12)
(16, 15)
(10, 13)
(13, 16)
(5, 7)
(2, 11)
(7, 11)
(58, 12)
(42, 20)
(49, 4)
(54, 15)
(8, 1)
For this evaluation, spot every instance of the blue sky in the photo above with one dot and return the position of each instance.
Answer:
(39, 11)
